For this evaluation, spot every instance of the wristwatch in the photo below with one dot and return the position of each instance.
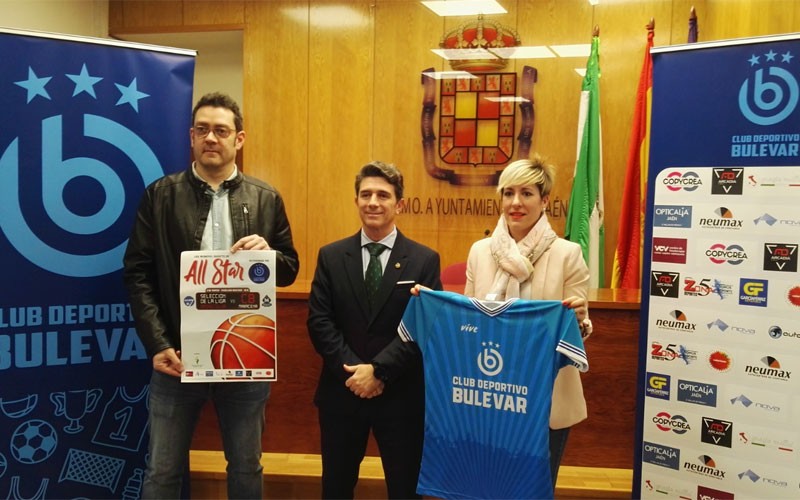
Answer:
(379, 372)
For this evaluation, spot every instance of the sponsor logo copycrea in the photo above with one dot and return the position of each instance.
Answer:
(686, 181)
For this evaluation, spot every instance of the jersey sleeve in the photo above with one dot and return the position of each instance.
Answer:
(408, 323)
(570, 343)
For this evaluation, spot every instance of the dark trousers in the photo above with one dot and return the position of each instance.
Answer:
(344, 442)
(558, 441)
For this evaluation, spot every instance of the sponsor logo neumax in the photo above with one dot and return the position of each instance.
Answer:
(724, 220)
(771, 369)
(678, 323)
(705, 466)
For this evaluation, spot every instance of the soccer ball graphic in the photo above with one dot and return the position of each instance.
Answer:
(34, 441)
(244, 341)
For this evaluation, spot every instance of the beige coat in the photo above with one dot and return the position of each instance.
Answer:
(559, 273)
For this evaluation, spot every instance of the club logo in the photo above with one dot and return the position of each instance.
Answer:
(490, 361)
(773, 93)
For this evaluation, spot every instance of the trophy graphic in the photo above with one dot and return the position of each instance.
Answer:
(73, 405)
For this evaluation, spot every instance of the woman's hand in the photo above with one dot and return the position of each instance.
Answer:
(578, 305)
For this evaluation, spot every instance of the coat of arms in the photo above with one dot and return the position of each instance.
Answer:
(478, 103)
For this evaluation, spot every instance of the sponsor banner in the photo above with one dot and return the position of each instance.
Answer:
(88, 124)
(719, 344)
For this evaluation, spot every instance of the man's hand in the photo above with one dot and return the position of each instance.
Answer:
(363, 382)
(169, 362)
(252, 242)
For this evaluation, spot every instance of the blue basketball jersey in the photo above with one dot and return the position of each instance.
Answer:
(489, 374)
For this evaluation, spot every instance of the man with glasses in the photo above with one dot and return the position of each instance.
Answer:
(209, 206)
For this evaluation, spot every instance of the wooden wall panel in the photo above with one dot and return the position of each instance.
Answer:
(340, 119)
(276, 109)
(209, 12)
(331, 84)
(405, 34)
(742, 18)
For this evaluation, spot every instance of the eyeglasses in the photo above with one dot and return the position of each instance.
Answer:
(219, 132)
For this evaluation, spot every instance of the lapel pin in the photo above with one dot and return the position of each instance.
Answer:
(397, 265)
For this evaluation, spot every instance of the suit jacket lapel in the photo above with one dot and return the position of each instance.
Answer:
(354, 269)
(398, 260)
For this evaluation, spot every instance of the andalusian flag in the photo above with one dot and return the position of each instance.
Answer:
(585, 212)
(628, 257)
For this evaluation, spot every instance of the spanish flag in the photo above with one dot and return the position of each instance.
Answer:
(628, 257)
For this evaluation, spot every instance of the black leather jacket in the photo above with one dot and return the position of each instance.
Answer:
(171, 217)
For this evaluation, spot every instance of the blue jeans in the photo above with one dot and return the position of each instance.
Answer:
(174, 410)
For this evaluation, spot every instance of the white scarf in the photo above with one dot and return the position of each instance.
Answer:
(516, 260)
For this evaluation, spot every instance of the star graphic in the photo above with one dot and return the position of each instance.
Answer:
(34, 85)
(770, 55)
(786, 57)
(84, 82)
(130, 95)
(753, 60)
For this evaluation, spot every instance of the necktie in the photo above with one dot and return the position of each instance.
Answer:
(372, 278)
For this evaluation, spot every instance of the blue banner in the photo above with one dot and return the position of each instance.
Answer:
(87, 124)
(719, 337)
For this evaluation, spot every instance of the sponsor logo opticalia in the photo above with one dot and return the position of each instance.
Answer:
(771, 370)
(679, 322)
(734, 254)
(705, 466)
(676, 423)
(724, 220)
(672, 216)
(658, 454)
(698, 393)
(687, 181)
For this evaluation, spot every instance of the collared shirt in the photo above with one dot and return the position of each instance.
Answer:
(218, 233)
(384, 256)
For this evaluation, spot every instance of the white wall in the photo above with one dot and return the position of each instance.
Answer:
(74, 17)
(219, 57)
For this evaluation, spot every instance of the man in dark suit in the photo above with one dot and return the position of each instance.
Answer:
(370, 379)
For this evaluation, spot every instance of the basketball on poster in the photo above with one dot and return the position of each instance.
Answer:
(228, 330)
